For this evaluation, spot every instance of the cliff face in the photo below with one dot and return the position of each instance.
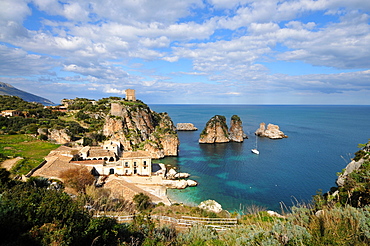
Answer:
(272, 131)
(354, 165)
(353, 182)
(215, 131)
(137, 127)
(236, 133)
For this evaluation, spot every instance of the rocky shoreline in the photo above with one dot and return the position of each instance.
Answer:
(155, 186)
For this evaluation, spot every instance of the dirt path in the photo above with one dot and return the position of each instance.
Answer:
(8, 164)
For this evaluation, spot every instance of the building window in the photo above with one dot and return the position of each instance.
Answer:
(134, 163)
(126, 164)
(144, 163)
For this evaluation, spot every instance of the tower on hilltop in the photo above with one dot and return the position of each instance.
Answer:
(130, 95)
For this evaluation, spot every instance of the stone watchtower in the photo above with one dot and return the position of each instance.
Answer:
(130, 95)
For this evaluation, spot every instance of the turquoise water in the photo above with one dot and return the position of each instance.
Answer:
(321, 141)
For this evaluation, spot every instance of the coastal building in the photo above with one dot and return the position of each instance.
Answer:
(97, 153)
(105, 160)
(130, 95)
(10, 113)
(136, 163)
(131, 163)
(113, 146)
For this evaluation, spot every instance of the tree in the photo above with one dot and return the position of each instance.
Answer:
(142, 201)
(77, 178)
(87, 141)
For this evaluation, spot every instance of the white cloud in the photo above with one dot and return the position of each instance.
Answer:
(160, 42)
(115, 91)
(228, 43)
(17, 62)
(262, 28)
(100, 71)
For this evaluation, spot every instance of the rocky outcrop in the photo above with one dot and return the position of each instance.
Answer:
(211, 205)
(186, 127)
(353, 166)
(60, 136)
(236, 133)
(272, 131)
(179, 184)
(139, 128)
(177, 180)
(216, 131)
(172, 174)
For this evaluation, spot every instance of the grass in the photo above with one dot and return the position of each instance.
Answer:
(31, 149)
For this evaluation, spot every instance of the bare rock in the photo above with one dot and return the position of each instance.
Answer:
(352, 166)
(272, 131)
(61, 136)
(319, 213)
(211, 205)
(191, 183)
(181, 184)
(236, 133)
(42, 131)
(275, 214)
(186, 127)
(171, 174)
(176, 184)
(182, 175)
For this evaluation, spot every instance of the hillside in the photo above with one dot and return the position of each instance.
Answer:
(9, 90)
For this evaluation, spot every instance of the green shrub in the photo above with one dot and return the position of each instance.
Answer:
(142, 201)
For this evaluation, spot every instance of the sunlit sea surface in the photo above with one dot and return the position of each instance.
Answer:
(321, 141)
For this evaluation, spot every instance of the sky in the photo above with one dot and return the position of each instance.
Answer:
(189, 51)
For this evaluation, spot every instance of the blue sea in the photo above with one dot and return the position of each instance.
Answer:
(321, 141)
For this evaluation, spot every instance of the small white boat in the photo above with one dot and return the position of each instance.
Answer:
(255, 151)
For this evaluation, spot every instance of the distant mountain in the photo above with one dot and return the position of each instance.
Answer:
(7, 89)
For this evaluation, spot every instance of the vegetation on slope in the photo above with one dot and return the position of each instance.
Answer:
(33, 213)
(29, 148)
(38, 213)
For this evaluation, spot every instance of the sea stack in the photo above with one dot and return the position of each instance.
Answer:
(236, 133)
(272, 131)
(216, 131)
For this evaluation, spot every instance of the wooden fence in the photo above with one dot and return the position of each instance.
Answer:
(219, 224)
